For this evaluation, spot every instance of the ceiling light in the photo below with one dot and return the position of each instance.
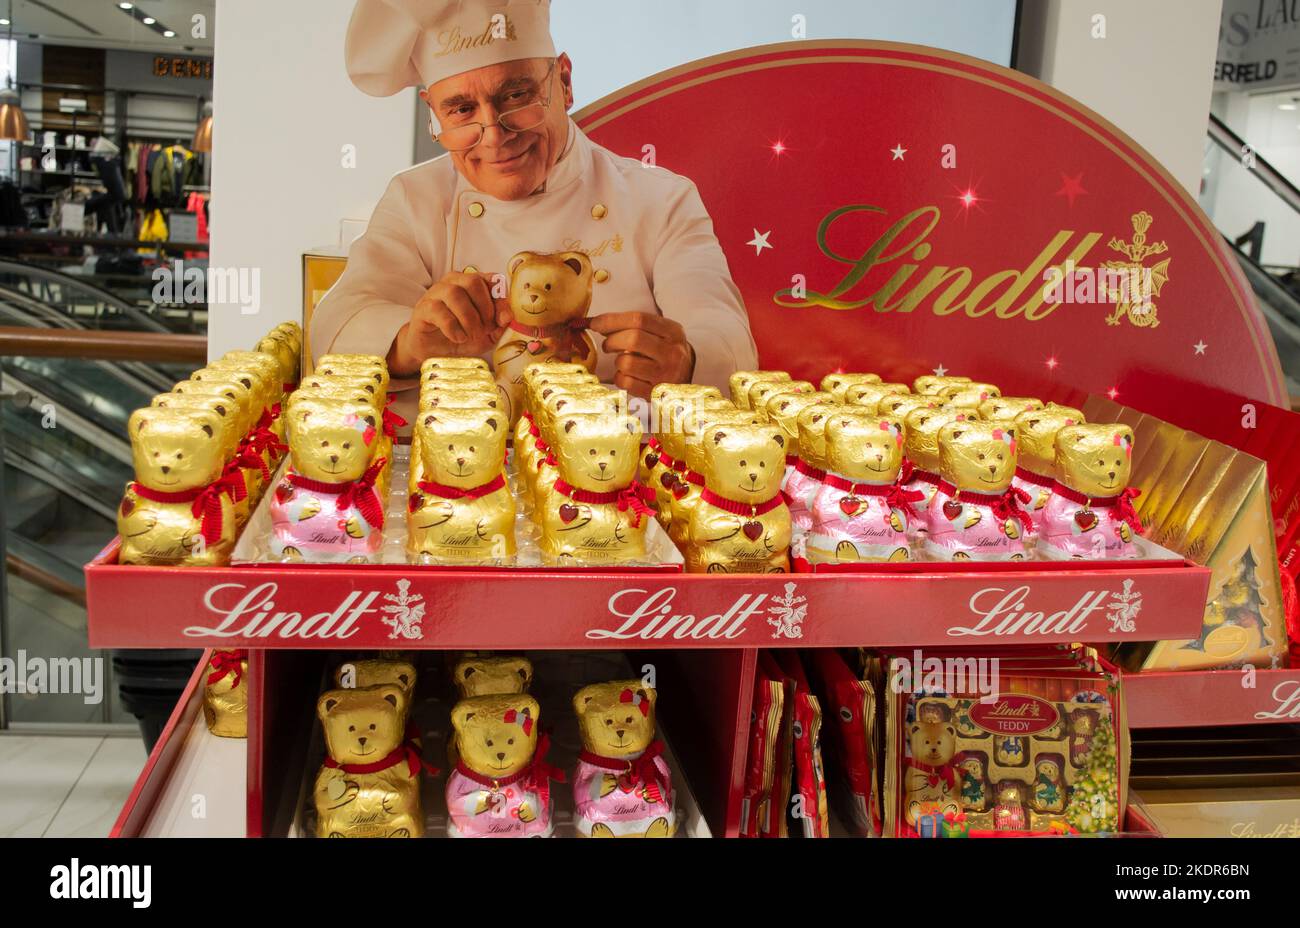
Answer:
(125, 6)
(148, 20)
(4, 22)
(169, 33)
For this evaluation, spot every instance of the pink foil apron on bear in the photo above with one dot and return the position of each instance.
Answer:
(323, 534)
(984, 540)
(801, 488)
(1074, 525)
(636, 792)
(1039, 489)
(481, 807)
(861, 514)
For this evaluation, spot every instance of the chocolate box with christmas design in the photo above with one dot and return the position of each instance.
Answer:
(1010, 744)
(1209, 502)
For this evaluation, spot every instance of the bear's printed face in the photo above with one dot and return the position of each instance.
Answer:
(1095, 459)
(977, 456)
(492, 676)
(617, 719)
(547, 289)
(462, 447)
(744, 462)
(375, 672)
(932, 742)
(598, 452)
(363, 726)
(921, 435)
(1036, 434)
(496, 735)
(331, 441)
(176, 449)
(864, 449)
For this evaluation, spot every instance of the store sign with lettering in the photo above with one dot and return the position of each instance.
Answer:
(170, 66)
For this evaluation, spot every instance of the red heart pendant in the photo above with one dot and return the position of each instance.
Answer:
(850, 505)
(127, 506)
(952, 509)
(284, 492)
(1085, 519)
(651, 460)
(752, 530)
(533, 347)
(680, 490)
(667, 479)
(568, 513)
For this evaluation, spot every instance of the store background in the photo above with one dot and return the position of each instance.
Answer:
(300, 157)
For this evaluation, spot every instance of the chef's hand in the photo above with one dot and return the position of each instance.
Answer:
(456, 317)
(651, 350)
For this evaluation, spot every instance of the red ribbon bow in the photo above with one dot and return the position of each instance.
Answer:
(237, 488)
(406, 751)
(360, 493)
(534, 776)
(391, 420)
(895, 496)
(637, 700)
(446, 492)
(1004, 505)
(205, 502)
(945, 772)
(635, 497)
(1122, 503)
(523, 719)
(635, 771)
(225, 663)
(261, 439)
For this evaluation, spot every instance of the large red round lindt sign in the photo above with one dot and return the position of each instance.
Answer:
(902, 210)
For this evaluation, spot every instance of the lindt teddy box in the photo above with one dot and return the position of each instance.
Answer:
(1045, 754)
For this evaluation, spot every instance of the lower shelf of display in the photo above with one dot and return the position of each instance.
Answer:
(1183, 698)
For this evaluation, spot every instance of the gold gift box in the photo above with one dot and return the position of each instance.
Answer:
(1210, 503)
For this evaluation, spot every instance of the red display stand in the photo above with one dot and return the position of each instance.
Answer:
(911, 241)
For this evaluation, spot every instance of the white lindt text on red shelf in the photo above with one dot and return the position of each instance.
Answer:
(650, 615)
(1003, 612)
(1287, 696)
(254, 615)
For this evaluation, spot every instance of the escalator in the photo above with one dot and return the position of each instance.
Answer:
(65, 461)
(1257, 210)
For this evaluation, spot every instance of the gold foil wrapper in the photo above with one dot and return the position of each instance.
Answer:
(763, 389)
(225, 701)
(921, 435)
(783, 409)
(596, 454)
(935, 383)
(898, 405)
(492, 675)
(722, 541)
(869, 395)
(462, 449)
(230, 437)
(835, 384)
(286, 355)
(240, 396)
(811, 423)
(969, 395)
(373, 671)
(1008, 407)
(1036, 436)
(174, 450)
(973, 456)
(685, 493)
(362, 727)
(465, 364)
(740, 382)
(378, 376)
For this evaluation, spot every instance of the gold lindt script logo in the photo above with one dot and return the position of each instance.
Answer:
(1005, 710)
(614, 244)
(453, 40)
(946, 289)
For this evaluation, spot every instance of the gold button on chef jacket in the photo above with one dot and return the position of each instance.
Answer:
(645, 228)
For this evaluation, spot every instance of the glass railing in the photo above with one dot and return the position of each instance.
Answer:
(66, 390)
(1257, 210)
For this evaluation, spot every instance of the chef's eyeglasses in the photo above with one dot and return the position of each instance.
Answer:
(529, 116)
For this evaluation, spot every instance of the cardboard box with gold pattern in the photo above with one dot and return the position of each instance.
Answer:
(1211, 503)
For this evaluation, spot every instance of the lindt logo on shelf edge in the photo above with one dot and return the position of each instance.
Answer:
(252, 613)
(1287, 696)
(1014, 714)
(1004, 612)
(649, 615)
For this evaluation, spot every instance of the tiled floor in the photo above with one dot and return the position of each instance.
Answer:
(65, 786)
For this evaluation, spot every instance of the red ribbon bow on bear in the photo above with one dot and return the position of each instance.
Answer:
(637, 700)
(404, 751)
(360, 493)
(205, 502)
(226, 663)
(635, 496)
(391, 420)
(945, 772)
(633, 772)
(1122, 503)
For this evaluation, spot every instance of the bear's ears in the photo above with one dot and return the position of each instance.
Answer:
(779, 439)
(344, 700)
(577, 262)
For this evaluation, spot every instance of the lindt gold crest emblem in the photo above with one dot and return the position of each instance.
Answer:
(1131, 284)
